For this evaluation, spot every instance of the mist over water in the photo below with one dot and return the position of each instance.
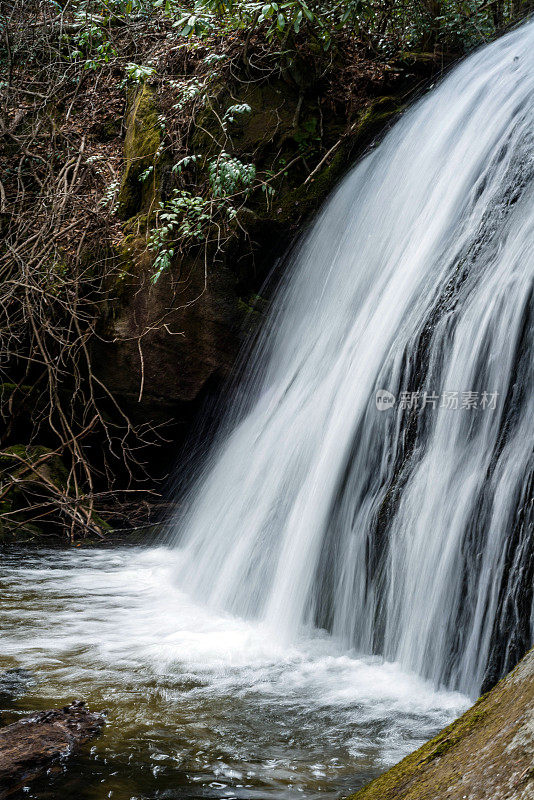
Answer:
(404, 532)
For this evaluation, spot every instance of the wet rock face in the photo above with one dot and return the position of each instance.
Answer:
(166, 347)
(487, 754)
(171, 342)
(29, 747)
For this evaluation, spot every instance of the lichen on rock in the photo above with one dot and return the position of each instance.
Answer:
(486, 754)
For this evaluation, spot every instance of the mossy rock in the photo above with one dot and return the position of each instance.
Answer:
(273, 107)
(17, 460)
(32, 469)
(17, 529)
(133, 262)
(8, 389)
(309, 196)
(486, 754)
(16, 465)
(141, 145)
(13, 454)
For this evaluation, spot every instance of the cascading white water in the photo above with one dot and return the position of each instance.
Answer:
(403, 531)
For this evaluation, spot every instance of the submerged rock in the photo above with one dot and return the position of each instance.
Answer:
(30, 746)
(487, 754)
(14, 683)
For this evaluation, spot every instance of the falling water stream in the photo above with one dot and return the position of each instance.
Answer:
(354, 560)
(395, 528)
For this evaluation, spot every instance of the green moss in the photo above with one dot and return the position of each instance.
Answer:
(475, 750)
(273, 112)
(395, 782)
(52, 467)
(141, 145)
(272, 104)
(252, 306)
(16, 529)
(102, 524)
(7, 389)
(308, 196)
(137, 225)
(456, 732)
(134, 257)
(11, 455)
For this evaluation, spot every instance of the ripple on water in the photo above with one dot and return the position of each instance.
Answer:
(201, 704)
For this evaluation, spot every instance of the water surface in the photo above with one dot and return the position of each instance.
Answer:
(201, 704)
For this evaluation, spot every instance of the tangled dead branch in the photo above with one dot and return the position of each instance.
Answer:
(68, 449)
(57, 272)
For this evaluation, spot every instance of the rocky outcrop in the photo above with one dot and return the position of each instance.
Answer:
(29, 747)
(487, 754)
(169, 346)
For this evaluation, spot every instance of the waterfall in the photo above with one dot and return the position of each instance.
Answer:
(374, 475)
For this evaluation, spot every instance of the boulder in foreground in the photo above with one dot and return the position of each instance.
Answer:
(33, 744)
(487, 754)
